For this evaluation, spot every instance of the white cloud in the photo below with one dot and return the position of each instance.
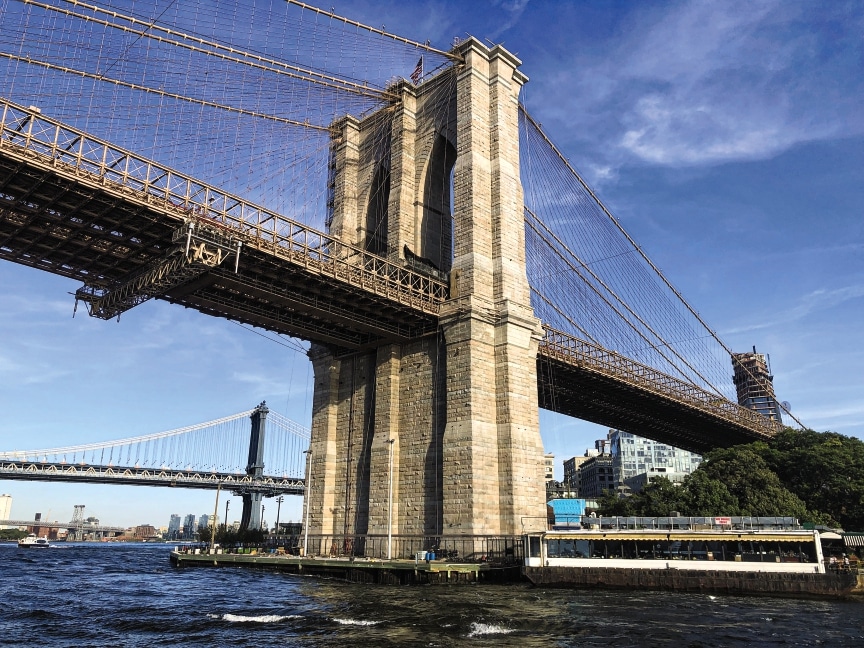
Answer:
(815, 301)
(696, 82)
(513, 9)
(837, 417)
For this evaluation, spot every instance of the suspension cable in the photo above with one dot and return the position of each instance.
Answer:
(163, 93)
(380, 32)
(255, 60)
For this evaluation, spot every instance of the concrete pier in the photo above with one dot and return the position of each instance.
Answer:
(358, 570)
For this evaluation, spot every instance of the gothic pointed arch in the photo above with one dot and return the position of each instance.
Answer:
(436, 222)
(376, 212)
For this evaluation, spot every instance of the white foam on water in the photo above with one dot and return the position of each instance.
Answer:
(481, 629)
(357, 622)
(263, 618)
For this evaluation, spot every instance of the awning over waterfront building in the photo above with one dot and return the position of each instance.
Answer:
(853, 539)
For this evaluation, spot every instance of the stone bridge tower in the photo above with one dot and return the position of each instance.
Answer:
(456, 412)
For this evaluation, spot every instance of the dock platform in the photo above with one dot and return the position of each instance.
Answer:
(357, 570)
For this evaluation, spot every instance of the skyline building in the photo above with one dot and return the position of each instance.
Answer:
(624, 459)
(634, 456)
(571, 473)
(174, 527)
(754, 383)
(596, 476)
(190, 526)
(549, 466)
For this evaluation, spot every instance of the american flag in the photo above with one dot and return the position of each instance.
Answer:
(418, 71)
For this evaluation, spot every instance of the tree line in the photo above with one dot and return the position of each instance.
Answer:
(817, 477)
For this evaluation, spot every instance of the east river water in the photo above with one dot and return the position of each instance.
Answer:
(130, 595)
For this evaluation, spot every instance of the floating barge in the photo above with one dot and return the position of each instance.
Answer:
(795, 585)
(773, 563)
(358, 570)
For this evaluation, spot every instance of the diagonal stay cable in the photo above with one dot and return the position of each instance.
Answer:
(619, 300)
(644, 256)
(564, 315)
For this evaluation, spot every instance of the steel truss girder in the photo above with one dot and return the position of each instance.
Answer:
(584, 380)
(43, 143)
(136, 476)
(206, 248)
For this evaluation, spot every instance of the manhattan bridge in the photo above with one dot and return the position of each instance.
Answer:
(392, 203)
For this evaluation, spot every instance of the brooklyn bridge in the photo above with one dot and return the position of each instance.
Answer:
(394, 204)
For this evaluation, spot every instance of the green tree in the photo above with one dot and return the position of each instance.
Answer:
(12, 534)
(825, 469)
(751, 481)
(610, 503)
(706, 497)
(658, 499)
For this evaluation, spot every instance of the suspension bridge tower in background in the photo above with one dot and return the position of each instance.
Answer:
(251, 516)
(457, 410)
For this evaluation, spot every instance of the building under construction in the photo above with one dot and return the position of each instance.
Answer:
(754, 383)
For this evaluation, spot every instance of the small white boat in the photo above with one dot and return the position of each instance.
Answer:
(32, 542)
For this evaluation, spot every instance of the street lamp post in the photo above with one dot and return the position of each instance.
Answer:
(279, 501)
(263, 526)
(227, 502)
(390, 504)
(306, 494)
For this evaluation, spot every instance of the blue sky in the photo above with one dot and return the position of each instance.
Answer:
(727, 137)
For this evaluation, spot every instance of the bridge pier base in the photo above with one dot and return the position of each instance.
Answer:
(457, 409)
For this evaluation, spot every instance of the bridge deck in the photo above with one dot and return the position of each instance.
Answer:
(580, 379)
(271, 486)
(79, 207)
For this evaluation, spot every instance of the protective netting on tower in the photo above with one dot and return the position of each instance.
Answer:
(590, 279)
(239, 94)
(219, 446)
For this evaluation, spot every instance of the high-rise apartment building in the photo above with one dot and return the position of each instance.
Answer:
(625, 459)
(755, 384)
(190, 526)
(633, 455)
(174, 527)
